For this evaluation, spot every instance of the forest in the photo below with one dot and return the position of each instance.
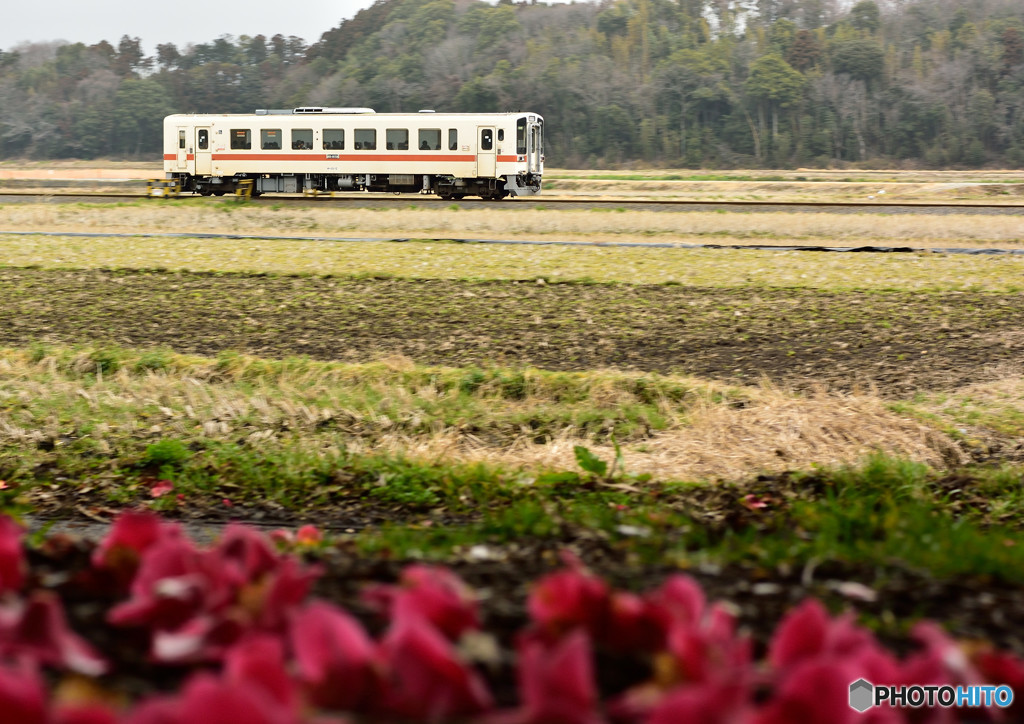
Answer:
(620, 83)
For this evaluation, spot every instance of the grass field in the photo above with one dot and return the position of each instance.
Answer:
(767, 412)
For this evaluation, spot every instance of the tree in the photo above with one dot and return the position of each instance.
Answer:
(141, 106)
(256, 50)
(866, 16)
(130, 59)
(775, 84)
(805, 52)
(859, 58)
(167, 56)
(782, 36)
(1013, 49)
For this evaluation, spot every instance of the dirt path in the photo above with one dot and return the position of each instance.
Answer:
(899, 342)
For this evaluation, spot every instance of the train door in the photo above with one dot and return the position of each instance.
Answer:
(485, 153)
(537, 147)
(204, 155)
(181, 150)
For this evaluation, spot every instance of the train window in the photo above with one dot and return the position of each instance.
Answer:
(521, 136)
(204, 139)
(366, 139)
(453, 139)
(181, 139)
(486, 139)
(334, 139)
(241, 139)
(430, 139)
(270, 139)
(501, 134)
(302, 139)
(397, 139)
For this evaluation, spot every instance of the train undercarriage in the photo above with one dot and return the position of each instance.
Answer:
(447, 187)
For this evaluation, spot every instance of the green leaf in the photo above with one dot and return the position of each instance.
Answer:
(590, 462)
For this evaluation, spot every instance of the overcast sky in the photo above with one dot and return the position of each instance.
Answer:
(89, 21)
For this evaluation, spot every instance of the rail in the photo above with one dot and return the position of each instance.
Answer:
(375, 200)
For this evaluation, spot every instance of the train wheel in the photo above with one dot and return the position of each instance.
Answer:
(219, 192)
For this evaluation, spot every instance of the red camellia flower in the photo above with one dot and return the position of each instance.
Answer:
(259, 660)
(556, 682)
(336, 660)
(680, 599)
(38, 629)
(718, 703)
(282, 537)
(88, 714)
(816, 691)
(175, 581)
(1001, 668)
(426, 679)
(565, 599)
(22, 695)
(284, 660)
(710, 651)
(439, 596)
(12, 559)
(254, 689)
(208, 700)
(807, 632)
(199, 602)
(431, 593)
(308, 535)
(130, 536)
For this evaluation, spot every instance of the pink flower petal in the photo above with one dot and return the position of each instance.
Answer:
(308, 535)
(335, 657)
(38, 628)
(161, 487)
(12, 557)
(428, 681)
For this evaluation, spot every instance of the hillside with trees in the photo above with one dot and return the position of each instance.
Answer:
(725, 83)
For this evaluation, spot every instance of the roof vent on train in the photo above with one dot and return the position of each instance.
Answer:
(309, 109)
(321, 109)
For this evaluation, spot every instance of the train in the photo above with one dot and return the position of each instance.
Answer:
(323, 149)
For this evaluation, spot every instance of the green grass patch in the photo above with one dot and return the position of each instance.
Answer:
(244, 436)
(887, 512)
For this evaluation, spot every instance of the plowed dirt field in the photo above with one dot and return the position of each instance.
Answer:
(894, 342)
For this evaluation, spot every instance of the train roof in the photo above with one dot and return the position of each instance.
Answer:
(317, 110)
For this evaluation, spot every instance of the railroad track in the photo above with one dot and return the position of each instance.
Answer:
(369, 200)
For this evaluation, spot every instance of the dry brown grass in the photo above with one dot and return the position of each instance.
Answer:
(777, 432)
(638, 265)
(708, 437)
(525, 223)
(951, 192)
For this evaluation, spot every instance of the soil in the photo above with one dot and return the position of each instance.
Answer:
(895, 343)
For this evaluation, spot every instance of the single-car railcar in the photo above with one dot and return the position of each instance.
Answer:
(491, 155)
